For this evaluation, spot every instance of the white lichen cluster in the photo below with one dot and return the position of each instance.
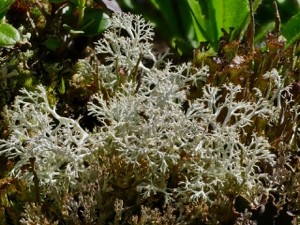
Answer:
(58, 144)
(144, 125)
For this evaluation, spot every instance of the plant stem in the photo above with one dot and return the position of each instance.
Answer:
(277, 17)
(251, 31)
(81, 12)
(36, 180)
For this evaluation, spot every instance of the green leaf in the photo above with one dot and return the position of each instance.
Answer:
(260, 34)
(291, 30)
(232, 13)
(198, 20)
(4, 6)
(8, 35)
(185, 20)
(178, 21)
(94, 22)
(62, 87)
(52, 44)
(211, 16)
(170, 18)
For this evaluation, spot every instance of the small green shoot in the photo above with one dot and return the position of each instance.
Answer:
(62, 87)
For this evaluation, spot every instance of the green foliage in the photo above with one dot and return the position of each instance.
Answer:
(291, 30)
(9, 36)
(209, 17)
(91, 21)
(193, 21)
(78, 18)
(94, 22)
(52, 44)
(62, 88)
(265, 18)
(4, 6)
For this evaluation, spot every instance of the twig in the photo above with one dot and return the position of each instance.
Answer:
(277, 17)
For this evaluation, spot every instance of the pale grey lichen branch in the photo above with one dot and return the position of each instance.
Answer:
(58, 144)
(277, 83)
(127, 49)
